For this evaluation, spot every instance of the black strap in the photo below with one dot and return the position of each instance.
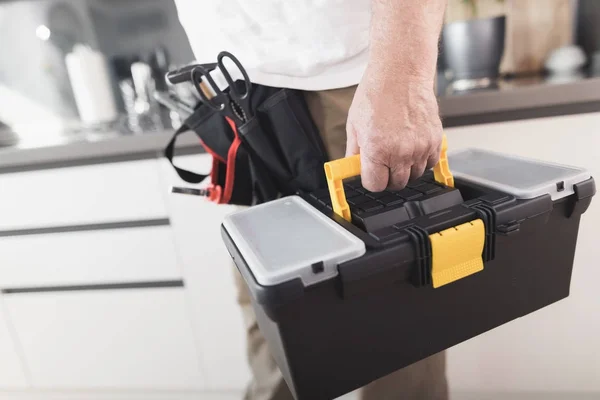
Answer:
(187, 176)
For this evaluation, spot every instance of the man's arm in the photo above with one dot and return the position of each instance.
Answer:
(394, 118)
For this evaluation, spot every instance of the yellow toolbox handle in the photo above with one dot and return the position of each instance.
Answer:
(338, 170)
(456, 252)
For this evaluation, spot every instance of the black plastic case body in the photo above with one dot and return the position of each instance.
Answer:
(381, 313)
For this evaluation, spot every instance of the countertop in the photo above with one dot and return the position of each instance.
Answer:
(519, 98)
(510, 99)
(95, 149)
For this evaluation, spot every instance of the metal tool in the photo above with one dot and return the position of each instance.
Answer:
(234, 103)
(212, 192)
(190, 191)
(184, 75)
(173, 103)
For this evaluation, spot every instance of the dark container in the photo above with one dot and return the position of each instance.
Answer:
(381, 312)
(473, 49)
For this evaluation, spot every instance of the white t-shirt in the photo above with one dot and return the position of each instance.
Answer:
(298, 44)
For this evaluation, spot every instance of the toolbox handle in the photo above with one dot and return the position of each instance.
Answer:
(338, 170)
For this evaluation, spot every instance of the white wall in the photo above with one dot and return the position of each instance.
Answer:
(557, 348)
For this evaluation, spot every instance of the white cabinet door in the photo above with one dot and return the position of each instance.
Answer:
(555, 349)
(88, 194)
(90, 257)
(208, 272)
(12, 373)
(122, 339)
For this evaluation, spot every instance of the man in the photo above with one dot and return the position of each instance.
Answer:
(367, 69)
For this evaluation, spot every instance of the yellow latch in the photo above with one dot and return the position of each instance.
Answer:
(338, 170)
(457, 252)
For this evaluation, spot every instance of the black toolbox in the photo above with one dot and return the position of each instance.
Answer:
(417, 271)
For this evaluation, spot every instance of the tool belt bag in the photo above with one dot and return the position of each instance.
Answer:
(277, 152)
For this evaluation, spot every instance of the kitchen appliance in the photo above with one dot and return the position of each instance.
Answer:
(473, 50)
(588, 26)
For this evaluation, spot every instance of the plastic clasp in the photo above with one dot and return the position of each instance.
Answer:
(338, 170)
(457, 252)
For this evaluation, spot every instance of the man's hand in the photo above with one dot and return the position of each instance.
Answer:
(396, 129)
(394, 121)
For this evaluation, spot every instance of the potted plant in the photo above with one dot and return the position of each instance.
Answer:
(473, 45)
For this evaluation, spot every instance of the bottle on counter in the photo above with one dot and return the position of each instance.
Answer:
(92, 88)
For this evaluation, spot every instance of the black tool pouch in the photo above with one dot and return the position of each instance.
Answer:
(277, 152)
(285, 137)
(230, 176)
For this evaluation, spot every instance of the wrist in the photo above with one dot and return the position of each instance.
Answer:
(404, 38)
(401, 71)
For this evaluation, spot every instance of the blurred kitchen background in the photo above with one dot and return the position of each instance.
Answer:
(111, 288)
(88, 66)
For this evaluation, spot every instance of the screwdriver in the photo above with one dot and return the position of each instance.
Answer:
(191, 191)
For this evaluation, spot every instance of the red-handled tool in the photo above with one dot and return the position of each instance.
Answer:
(213, 192)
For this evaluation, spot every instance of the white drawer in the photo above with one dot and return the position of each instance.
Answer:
(125, 339)
(217, 317)
(82, 195)
(89, 257)
(12, 373)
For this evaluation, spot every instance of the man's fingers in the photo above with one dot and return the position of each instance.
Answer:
(433, 160)
(417, 171)
(399, 177)
(374, 176)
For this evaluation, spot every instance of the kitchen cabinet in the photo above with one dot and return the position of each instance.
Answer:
(12, 371)
(555, 349)
(122, 339)
(91, 194)
(208, 272)
(89, 257)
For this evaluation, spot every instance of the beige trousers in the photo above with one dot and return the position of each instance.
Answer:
(425, 380)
